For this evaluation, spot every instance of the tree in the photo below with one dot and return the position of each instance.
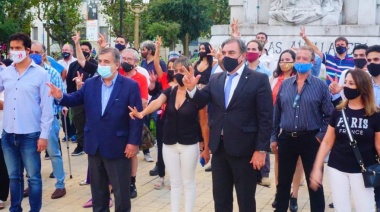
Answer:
(15, 16)
(62, 18)
(192, 15)
(168, 30)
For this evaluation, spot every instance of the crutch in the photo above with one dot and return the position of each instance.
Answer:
(67, 142)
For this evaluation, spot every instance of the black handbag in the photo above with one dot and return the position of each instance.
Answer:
(371, 174)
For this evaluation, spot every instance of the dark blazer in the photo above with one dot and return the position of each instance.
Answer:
(111, 132)
(247, 122)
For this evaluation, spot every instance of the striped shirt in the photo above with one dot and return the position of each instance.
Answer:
(56, 79)
(308, 110)
(335, 65)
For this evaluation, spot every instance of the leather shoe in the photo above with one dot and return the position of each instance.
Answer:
(26, 192)
(51, 175)
(208, 169)
(331, 205)
(274, 203)
(293, 206)
(58, 193)
(154, 171)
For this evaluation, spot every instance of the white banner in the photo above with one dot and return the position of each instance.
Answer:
(92, 30)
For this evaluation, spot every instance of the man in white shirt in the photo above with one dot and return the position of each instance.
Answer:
(68, 58)
(266, 58)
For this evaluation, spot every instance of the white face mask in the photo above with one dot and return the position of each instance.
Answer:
(18, 56)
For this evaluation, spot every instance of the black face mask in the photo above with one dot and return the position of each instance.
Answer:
(65, 55)
(179, 78)
(171, 72)
(127, 67)
(350, 93)
(374, 69)
(230, 63)
(340, 49)
(202, 54)
(360, 62)
(120, 46)
(86, 54)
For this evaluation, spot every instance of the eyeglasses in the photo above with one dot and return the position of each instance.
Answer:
(296, 101)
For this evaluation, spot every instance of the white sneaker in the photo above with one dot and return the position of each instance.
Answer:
(148, 158)
(2, 204)
(265, 181)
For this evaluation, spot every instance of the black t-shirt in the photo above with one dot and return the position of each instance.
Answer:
(363, 130)
(180, 125)
(88, 71)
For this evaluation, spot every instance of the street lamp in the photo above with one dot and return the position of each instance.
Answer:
(137, 8)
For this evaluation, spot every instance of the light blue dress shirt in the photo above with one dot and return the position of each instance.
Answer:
(27, 106)
(106, 92)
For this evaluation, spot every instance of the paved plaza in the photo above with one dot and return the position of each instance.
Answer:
(148, 198)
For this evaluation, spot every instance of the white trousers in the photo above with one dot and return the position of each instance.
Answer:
(181, 161)
(342, 184)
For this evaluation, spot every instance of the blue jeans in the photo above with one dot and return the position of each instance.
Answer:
(55, 154)
(20, 151)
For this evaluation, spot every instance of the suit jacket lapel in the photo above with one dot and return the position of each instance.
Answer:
(98, 96)
(239, 88)
(115, 92)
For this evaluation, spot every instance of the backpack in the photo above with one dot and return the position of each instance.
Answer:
(147, 140)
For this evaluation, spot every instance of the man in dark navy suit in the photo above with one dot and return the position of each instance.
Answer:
(111, 137)
(240, 127)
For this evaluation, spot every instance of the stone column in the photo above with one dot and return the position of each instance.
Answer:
(238, 10)
(367, 12)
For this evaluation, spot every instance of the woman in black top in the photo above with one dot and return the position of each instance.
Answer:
(343, 169)
(180, 149)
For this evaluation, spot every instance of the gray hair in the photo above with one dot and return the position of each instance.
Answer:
(114, 51)
(240, 42)
(40, 44)
(307, 48)
(71, 46)
(149, 45)
(134, 52)
(184, 61)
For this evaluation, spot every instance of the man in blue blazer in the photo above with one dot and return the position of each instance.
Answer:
(111, 137)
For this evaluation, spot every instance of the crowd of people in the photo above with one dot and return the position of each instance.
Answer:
(231, 107)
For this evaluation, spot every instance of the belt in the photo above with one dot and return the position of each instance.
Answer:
(301, 133)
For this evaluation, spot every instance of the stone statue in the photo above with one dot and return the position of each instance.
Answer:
(300, 12)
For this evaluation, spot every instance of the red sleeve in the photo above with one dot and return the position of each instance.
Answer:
(164, 81)
(143, 85)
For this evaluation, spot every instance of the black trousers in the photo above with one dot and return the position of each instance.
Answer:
(4, 178)
(115, 171)
(227, 172)
(289, 149)
(70, 126)
(79, 120)
(159, 135)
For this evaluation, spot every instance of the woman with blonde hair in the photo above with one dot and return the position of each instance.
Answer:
(344, 171)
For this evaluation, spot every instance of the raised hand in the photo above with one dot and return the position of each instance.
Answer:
(189, 80)
(235, 28)
(76, 37)
(54, 91)
(334, 86)
(159, 41)
(302, 32)
(134, 113)
(102, 42)
(79, 80)
(152, 77)
(216, 53)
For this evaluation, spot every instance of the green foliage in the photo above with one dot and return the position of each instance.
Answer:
(62, 18)
(15, 16)
(168, 31)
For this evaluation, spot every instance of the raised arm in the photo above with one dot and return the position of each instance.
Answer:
(80, 57)
(309, 43)
(153, 106)
(156, 59)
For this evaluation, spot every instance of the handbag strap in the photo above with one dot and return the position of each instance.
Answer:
(353, 143)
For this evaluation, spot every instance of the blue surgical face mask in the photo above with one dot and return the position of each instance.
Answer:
(303, 67)
(37, 58)
(104, 71)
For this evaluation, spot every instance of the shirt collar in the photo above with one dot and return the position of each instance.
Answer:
(308, 79)
(112, 82)
(240, 70)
